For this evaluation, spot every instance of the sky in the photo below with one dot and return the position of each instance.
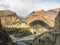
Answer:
(24, 7)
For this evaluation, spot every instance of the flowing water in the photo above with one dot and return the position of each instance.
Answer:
(18, 40)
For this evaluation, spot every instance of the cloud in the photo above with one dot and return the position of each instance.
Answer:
(20, 7)
(46, 6)
(24, 7)
(55, 1)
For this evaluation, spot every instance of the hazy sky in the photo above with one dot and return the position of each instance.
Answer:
(24, 7)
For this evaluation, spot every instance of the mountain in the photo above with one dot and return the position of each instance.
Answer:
(42, 16)
(9, 19)
(56, 9)
(41, 21)
(53, 11)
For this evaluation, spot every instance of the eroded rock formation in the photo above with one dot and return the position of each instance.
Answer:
(42, 16)
(50, 38)
(9, 19)
(4, 37)
(57, 28)
(57, 23)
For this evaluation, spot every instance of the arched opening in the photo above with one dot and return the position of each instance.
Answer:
(39, 22)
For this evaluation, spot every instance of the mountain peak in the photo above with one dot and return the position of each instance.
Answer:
(6, 13)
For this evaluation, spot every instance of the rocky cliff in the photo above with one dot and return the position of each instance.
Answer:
(41, 16)
(49, 38)
(9, 19)
(57, 23)
(41, 21)
(53, 12)
(12, 23)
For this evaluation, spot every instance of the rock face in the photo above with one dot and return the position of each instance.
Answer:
(57, 23)
(56, 10)
(50, 38)
(9, 19)
(46, 16)
(57, 29)
(40, 18)
(53, 11)
(12, 23)
(44, 39)
(4, 37)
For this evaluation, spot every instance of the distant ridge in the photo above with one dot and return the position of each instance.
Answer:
(53, 11)
(6, 13)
